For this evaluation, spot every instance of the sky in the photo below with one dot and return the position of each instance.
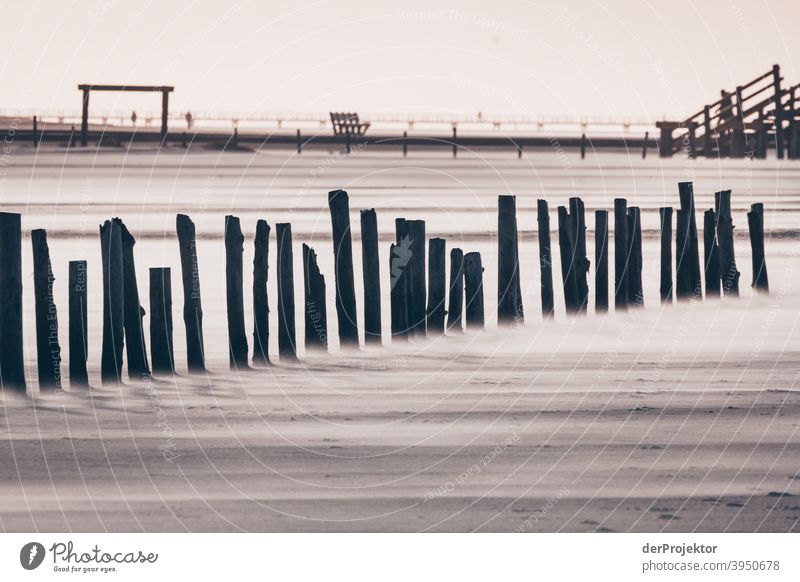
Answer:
(574, 58)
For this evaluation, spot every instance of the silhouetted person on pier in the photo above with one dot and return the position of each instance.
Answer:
(189, 120)
(133, 118)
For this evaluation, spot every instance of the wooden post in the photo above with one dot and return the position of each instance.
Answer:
(665, 216)
(405, 143)
(456, 294)
(260, 298)
(437, 280)
(473, 287)
(683, 286)
(192, 305)
(299, 143)
(691, 256)
(316, 317)
(35, 132)
(370, 263)
(755, 222)
(113, 302)
(779, 141)
(287, 345)
(85, 118)
(509, 293)
(727, 266)
(48, 350)
(136, 348)
(164, 115)
(566, 240)
(234, 293)
(621, 246)
(635, 290)
(644, 144)
(601, 261)
(416, 267)
(583, 146)
(12, 363)
(580, 262)
(455, 141)
(161, 320)
(398, 289)
(545, 259)
(707, 140)
(343, 268)
(78, 325)
(711, 254)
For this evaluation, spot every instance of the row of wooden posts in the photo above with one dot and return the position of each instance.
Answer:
(419, 305)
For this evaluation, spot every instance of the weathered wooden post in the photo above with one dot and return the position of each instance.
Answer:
(755, 223)
(260, 298)
(455, 141)
(635, 290)
(621, 248)
(316, 317)
(601, 261)
(48, 350)
(545, 259)
(12, 364)
(778, 100)
(644, 144)
(192, 305)
(416, 267)
(665, 216)
(691, 256)
(113, 302)
(456, 294)
(583, 146)
(509, 293)
(398, 289)
(437, 280)
(136, 349)
(405, 143)
(161, 320)
(234, 293)
(683, 286)
(727, 267)
(566, 241)
(287, 346)
(580, 263)
(343, 268)
(404, 267)
(711, 254)
(473, 288)
(35, 132)
(78, 325)
(370, 263)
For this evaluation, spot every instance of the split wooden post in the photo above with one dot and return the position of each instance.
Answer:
(727, 266)
(473, 287)
(113, 300)
(711, 254)
(161, 320)
(545, 259)
(690, 259)
(136, 348)
(192, 305)
(417, 284)
(339, 206)
(260, 298)
(370, 263)
(509, 293)
(635, 290)
(621, 246)
(398, 289)
(48, 350)
(566, 240)
(455, 304)
(234, 293)
(580, 262)
(287, 345)
(316, 318)
(437, 281)
(665, 218)
(755, 223)
(78, 325)
(601, 261)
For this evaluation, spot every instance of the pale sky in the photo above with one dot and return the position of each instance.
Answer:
(581, 57)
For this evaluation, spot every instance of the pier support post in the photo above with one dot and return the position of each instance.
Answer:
(161, 320)
(78, 322)
(48, 350)
(545, 259)
(370, 263)
(339, 206)
(192, 305)
(509, 293)
(260, 298)
(473, 286)
(234, 293)
(287, 344)
(755, 222)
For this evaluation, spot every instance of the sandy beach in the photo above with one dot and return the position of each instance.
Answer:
(676, 418)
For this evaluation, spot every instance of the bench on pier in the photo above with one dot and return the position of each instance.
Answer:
(348, 124)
